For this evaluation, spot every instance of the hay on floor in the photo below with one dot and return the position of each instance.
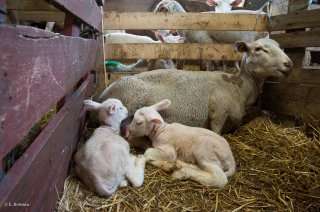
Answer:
(278, 169)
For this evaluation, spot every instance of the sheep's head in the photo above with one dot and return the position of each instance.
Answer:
(223, 6)
(165, 6)
(169, 38)
(264, 58)
(109, 111)
(146, 118)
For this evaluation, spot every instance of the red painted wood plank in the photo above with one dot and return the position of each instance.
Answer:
(39, 69)
(39, 173)
(88, 11)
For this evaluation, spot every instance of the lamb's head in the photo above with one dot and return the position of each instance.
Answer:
(169, 38)
(146, 118)
(264, 58)
(223, 6)
(110, 112)
(169, 6)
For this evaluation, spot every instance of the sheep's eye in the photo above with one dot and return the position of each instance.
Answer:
(121, 108)
(139, 123)
(258, 49)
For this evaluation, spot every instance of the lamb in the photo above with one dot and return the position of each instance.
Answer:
(104, 162)
(212, 100)
(204, 36)
(152, 64)
(171, 142)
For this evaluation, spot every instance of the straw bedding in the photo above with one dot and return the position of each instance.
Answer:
(278, 169)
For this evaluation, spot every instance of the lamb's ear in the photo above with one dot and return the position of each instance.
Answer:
(161, 105)
(90, 105)
(111, 109)
(241, 46)
(155, 121)
(211, 2)
(159, 36)
(236, 3)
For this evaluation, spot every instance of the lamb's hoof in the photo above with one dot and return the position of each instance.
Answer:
(180, 164)
(124, 183)
(179, 174)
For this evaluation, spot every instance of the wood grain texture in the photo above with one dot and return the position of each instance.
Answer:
(87, 11)
(38, 16)
(39, 69)
(173, 51)
(206, 21)
(298, 39)
(295, 20)
(294, 92)
(30, 5)
(301, 76)
(39, 174)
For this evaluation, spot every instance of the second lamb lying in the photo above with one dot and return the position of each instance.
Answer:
(171, 142)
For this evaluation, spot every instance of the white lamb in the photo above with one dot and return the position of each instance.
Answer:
(171, 142)
(104, 162)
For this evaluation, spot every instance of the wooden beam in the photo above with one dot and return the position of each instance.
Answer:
(30, 5)
(205, 21)
(37, 58)
(53, 16)
(301, 76)
(294, 92)
(39, 174)
(173, 51)
(87, 11)
(295, 20)
(298, 39)
(292, 108)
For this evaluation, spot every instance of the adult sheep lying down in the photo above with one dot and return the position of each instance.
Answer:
(213, 100)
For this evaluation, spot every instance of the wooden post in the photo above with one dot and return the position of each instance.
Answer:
(296, 54)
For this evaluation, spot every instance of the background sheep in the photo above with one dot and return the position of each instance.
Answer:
(204, 36)
(214, 100)
(172, 142)
(104, 162)
(152, 64)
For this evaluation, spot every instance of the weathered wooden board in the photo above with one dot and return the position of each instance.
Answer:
(206, 21)
(292, 92)
(298, 39)
(301, 76)
(87, 11)
(295, 20)
(39, 173)
(30, 5)
(39, 69)
(53, 16)
(292, 108)
(173, 51)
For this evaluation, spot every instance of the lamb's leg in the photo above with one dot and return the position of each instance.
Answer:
(162, 158)
(124, 183)
(135, 173)
(208, 175)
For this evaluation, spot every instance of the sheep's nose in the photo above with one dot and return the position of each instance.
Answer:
(288, 64)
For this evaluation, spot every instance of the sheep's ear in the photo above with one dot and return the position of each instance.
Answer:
(90, 105)
(159, 36)
(241, 46)
(211, 2)
(236, 3)
(161, 105)
(111, 109)
(155, 121)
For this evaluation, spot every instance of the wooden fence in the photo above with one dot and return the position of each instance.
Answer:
(41, 70)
